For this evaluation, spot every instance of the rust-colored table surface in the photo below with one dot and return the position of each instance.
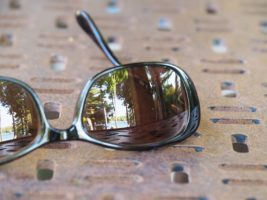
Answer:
(221, 44)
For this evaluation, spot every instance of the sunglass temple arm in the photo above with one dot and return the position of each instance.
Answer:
(88, 25)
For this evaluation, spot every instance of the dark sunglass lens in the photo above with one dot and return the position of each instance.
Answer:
(137, 105)
(19, 118)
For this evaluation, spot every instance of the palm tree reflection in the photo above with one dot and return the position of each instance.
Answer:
(131, 98)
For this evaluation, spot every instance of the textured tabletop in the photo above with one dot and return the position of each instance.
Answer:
(221, 44)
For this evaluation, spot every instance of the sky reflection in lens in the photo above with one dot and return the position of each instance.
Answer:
(136, 105)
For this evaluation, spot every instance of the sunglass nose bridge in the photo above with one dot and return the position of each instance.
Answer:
(61, 135)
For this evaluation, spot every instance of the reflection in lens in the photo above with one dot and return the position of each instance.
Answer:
(19, 120)
(136, 105)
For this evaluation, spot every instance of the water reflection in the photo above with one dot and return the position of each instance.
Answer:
(136, 105)
(19, 121)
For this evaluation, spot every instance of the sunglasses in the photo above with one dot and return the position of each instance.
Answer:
(136, 106)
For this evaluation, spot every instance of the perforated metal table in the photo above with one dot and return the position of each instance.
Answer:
(221, 44)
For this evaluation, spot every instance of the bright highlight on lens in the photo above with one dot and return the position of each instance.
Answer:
(136, 105)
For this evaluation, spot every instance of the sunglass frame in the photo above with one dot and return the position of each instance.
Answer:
(48, 134)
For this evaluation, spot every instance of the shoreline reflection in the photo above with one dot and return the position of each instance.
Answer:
(135, 100)
(19, 120)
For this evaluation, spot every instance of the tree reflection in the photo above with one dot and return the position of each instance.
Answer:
(101, 104)
(19, 118)
(132, 97)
